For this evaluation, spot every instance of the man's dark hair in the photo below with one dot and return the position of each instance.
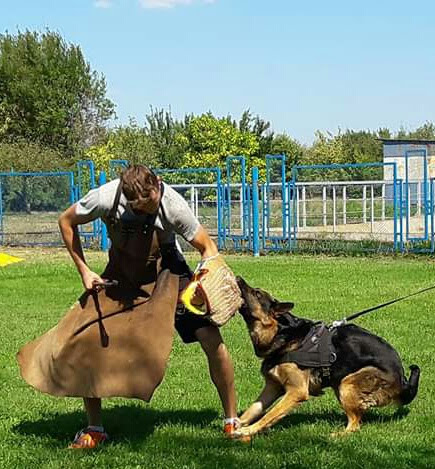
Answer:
(137, 181)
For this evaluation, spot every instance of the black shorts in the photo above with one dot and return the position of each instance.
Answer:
(188, 323)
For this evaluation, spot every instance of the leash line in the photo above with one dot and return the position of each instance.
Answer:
(374, 308)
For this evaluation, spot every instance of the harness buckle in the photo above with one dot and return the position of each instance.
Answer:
(341, 322)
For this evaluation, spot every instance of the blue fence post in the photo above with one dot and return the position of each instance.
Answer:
(244, 200)
(255, 213)
(266, 203)
(1, 212)
(219, 195)
(72, 189)
(104, 243)
(431, 211)
(113, 164)
(398, 217)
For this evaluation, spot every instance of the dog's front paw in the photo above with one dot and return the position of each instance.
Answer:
(243, 431)
(242, 435)
(342, 433)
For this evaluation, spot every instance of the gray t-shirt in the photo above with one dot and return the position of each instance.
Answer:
(174, 215)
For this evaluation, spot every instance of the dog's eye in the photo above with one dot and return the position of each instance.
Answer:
(258, 294)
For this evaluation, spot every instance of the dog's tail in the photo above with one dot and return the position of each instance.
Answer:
(410, 387)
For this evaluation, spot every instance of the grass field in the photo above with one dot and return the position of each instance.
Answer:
(181, 427)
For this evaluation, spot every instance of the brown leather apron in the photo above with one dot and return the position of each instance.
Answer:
(115, 342)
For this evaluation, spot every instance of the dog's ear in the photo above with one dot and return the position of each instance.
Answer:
(280, 308)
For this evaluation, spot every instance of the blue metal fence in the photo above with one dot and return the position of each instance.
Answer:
(275, 222)
(313, 208)
(236, 202)
(30, 203)
(338, 210)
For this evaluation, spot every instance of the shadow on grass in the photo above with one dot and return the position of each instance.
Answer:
(338, 417)
(304, 452)
(130, 422)
(136, 423)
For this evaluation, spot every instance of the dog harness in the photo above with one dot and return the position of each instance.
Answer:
(316, 349)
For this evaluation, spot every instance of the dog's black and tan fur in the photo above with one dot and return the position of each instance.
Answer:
(367, 372)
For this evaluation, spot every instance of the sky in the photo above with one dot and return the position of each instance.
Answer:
(303, 66)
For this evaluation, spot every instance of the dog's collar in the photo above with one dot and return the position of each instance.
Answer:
(289, 328)
(292, 327)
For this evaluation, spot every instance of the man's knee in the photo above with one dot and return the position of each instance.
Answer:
(211, 340)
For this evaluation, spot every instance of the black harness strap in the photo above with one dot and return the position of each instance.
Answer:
(316, 350)
(112, 214)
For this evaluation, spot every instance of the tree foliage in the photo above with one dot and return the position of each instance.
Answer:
(49, 94)
(347, 147)
(24, 156)
(129, 142)
(261, 129)
(54, 111)
(166, 137)
(21, 193)
(210, 140)
(424, 132)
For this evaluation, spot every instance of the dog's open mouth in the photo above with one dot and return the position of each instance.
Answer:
(244, 310)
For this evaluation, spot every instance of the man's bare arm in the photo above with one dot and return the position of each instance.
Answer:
(68, 223)
(204, 244)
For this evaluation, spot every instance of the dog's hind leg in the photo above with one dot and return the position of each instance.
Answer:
(368, 387)
(268, 396)
(295, 383)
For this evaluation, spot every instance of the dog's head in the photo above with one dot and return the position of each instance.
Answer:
(258, 305)
(261, 313)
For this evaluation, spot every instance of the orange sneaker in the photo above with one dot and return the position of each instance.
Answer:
(230, 427)
(88, 439)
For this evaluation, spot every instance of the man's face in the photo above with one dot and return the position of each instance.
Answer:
(147, 205)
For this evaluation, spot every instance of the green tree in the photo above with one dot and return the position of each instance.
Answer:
(24, 156)
(49, 94)
(284, 145)
(262, 131)
(345, 148)
(383, 132)
(32, 193)
(166, 135)
(326, 149)
(424, 132)
(210, 140)
(129, 142)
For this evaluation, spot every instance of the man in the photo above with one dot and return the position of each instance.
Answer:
(137, 200)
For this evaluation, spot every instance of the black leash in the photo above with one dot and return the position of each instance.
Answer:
(344, 321)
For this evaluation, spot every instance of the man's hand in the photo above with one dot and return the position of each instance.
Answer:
(90, 280)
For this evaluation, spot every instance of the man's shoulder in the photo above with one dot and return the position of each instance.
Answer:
(107, 192)
(110, 187)
(170, 194)
(102, 196)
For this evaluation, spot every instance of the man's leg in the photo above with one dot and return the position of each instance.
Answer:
(220, 366)
(94, 433)
(93, 411)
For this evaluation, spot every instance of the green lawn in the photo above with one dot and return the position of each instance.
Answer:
(181, 427)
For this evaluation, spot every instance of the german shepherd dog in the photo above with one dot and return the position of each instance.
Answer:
(367, 371)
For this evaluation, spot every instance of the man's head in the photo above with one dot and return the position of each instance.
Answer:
(141, 187)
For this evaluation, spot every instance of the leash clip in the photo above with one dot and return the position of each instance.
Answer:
(341, 322)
